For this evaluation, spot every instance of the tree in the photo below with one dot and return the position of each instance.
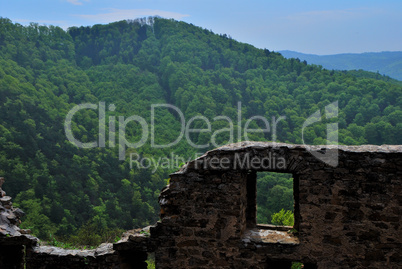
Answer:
(283, 217)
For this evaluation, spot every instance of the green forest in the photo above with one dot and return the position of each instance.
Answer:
(72, 193)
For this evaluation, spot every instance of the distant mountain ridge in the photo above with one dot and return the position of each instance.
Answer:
(387, 63)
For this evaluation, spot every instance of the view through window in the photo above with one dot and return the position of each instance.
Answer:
(275, 198)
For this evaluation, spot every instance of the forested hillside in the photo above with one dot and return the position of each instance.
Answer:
(130, 65)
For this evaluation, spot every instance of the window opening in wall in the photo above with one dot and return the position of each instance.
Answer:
(275, 199)
(151, 261)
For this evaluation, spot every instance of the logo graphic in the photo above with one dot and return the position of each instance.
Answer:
(112, 129)
(330, 154)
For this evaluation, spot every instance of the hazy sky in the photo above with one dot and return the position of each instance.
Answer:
(309, 26)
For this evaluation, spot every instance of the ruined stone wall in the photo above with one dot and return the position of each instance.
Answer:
(347, 216)
(129, 253)
(19, 250)
(13, 240)
(47, 257)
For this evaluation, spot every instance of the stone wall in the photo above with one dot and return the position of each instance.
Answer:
(13, 240)
(347, 216)
(129, 253)
(20, 250)
(47, 257)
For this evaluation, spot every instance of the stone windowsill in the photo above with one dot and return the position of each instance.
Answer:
(270, 234)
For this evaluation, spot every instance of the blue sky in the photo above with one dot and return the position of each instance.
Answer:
(309, 26)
